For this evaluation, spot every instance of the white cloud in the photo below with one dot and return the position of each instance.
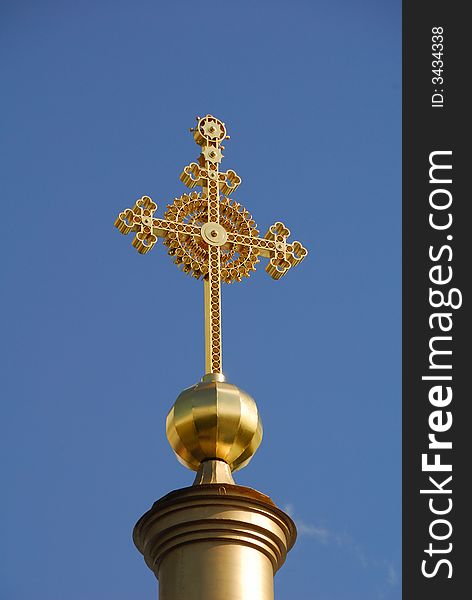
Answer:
(345, 542)
(319, 533)
(392, 577)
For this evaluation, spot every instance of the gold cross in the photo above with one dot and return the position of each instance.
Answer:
(209, 236)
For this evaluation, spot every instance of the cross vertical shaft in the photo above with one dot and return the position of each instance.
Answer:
(212, 282)
(212, 307)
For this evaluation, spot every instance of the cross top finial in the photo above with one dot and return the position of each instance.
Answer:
(209, 130)
(209, 235)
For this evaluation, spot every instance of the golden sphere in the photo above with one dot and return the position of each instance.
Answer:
(214, 420)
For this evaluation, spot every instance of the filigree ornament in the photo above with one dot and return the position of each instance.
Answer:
(211, 236)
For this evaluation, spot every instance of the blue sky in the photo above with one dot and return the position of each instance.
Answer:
(98, 341)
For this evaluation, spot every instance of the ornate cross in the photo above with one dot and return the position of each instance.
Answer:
(211, 236)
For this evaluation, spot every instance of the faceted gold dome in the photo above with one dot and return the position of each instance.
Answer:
(214, 420)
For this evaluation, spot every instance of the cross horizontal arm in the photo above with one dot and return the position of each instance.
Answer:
(195, 174)
(140, 220)
(273, 245)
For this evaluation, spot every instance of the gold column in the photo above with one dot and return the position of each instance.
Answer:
(215, 542)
